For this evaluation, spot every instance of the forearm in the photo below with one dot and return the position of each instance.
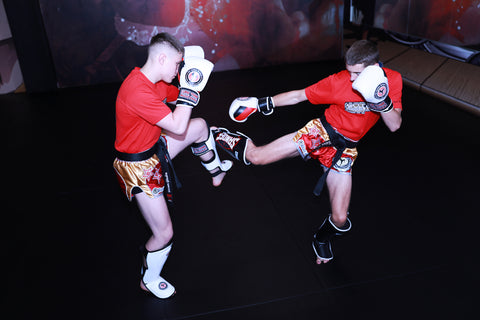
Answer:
(392, 119)
(289, 98)
(177, 121)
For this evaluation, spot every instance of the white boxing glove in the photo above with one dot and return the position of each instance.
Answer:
(372, 84)
(193, 79)
(242, 108)
(194, 51)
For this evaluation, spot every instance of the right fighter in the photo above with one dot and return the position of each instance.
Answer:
(358, 97)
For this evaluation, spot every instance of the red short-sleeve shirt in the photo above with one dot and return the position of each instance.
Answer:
(348, 112)
(140, 105)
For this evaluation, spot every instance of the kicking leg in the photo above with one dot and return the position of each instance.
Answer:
(243, 149)
(281, 148)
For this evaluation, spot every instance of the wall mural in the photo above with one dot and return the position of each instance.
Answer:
(454, 22)
(98, 41)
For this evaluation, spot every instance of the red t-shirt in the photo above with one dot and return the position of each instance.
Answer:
(140, 105)
(348, 112)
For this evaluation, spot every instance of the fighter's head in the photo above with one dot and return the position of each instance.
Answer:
(165, 52)
(361, 54)
(167, 39)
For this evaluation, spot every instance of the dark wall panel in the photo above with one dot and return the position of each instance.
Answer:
(26, 25)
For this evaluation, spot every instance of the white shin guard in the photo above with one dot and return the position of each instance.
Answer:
(153, 265)
(199, 149)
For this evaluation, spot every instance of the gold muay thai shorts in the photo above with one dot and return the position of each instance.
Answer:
(312, 143)
(146, 175)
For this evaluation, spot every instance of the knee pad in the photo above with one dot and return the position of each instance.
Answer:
(201, 148)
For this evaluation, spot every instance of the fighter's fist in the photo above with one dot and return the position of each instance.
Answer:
(242, 108)
(372, 83)
(193, 79)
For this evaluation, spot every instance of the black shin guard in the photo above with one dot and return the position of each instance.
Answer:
(322, 238)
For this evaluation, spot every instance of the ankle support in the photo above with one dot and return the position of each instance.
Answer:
(328, 229)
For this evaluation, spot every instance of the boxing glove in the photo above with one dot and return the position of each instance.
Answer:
(194, 51)
(372, 84)
(193, 79)
(242, 108)
(191, 51)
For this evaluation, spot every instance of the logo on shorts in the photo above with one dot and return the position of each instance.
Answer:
(381, 91)
(302, 147)
(157, 191)
(194, 76)
(343, 164)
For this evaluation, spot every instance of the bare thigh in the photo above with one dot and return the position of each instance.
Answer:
(156, 215)
(197, 131)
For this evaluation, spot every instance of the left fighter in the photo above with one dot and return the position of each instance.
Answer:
(149, 134)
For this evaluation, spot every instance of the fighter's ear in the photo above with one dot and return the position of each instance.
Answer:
(162, 58)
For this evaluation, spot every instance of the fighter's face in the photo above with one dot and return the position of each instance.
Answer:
(173, 63)
(355, 70)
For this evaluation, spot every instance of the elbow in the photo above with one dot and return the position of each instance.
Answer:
(395, 126)
(393, 119)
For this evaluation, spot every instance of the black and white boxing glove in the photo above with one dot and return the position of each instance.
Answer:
(193, 79)
(241, 108)
(372, 83)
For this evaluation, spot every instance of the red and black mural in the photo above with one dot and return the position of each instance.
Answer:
(96, 41)
(454, 22)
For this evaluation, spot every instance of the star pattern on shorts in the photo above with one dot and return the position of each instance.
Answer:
(157, 175)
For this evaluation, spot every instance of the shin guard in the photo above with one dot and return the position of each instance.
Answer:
(152, 267)
(322, 238)
(235, 144)
(201, 148)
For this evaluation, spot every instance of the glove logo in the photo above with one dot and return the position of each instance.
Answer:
(381, 91)
(162, 285)
(194, 76)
